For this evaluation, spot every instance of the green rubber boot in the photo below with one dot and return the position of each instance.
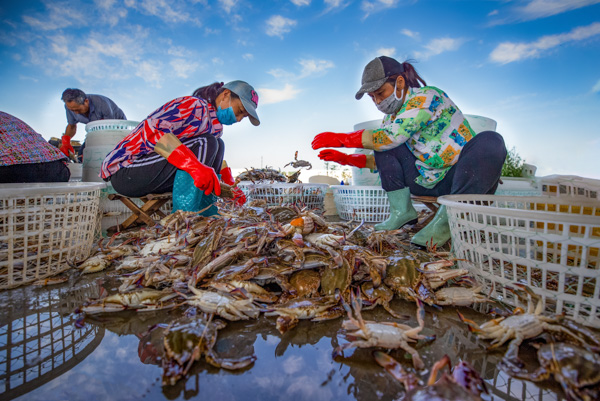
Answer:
(188, 198)
(401, 211)
(436, 233)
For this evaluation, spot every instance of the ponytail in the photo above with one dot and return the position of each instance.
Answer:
(410, 75)
(210, 93)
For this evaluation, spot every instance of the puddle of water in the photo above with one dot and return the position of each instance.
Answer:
(46, 354)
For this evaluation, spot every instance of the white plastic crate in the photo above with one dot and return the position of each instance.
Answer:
(368, 203)
(550, 244)
(44, 225)
(276, 194)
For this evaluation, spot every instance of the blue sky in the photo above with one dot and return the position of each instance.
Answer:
(531, 65)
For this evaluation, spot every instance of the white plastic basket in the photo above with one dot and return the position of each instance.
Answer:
(570, 186)
(276, 194)
(111, 125)
(44, 225)
(368, 203)
(550, 244)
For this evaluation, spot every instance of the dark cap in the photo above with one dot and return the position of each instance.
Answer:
(248, 96)
(377, 72)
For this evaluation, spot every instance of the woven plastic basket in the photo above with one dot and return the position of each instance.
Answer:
(368, 203)
(301, 195)
(550, 244)
(44, 225)
(570, 186)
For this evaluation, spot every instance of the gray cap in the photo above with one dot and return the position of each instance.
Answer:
(248, 96)
(377, 72)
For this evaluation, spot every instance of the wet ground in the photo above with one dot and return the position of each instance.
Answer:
(48, 353)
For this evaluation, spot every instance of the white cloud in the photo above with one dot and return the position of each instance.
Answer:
(210, 31)
(168, 11)
(301, 3)
(386, 51)
(438, 46)
(58, 15)
(278, 25)
(268, 96)
(97, 57)
(535, 9)
(309, 67)
(314, 67)
(492, 13)
(374, 6)
(217, 61)
(227, 5)
(508, 52)
(545, 8)
(110, 14)
(596, 88)
(183, 68)
(331, 4)
(248, 56)
(149, 72)
(410, 34)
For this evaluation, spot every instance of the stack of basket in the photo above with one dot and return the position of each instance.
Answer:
(549, 243)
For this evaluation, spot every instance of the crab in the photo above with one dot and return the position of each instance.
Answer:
(575, 368)
(187, 340)
(144, 299)
(381, 295)
(223, 304)
(422, 282)
(390, 335)
(460, 296)
(464, 384)
(314, 309)
(299, 163)
(518, 327)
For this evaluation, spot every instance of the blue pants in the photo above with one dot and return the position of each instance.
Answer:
(477, 170)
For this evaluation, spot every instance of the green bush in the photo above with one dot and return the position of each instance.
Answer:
(513, 165)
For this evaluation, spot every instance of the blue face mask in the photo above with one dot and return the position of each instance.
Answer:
(226, 116)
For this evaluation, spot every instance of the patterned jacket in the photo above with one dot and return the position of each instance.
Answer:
(20, 144)
(184, 117)
(432, 127)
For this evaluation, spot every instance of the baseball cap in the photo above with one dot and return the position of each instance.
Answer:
(377, 72)
(248, 96)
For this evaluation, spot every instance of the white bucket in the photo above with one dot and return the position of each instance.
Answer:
(364, 176)
(480, 123)
(101, 138)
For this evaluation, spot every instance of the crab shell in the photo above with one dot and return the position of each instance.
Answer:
(571, 365)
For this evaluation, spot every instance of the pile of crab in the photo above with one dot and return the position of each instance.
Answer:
(292, 264)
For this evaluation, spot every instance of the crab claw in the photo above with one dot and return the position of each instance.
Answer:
(439, 365)
(473, 327)
(298, 240)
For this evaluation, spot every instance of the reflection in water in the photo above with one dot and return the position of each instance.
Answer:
(39, 343)
(38, 337)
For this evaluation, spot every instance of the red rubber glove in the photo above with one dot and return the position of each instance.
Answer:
(238, 196)
(204, 177)
(226, 176)
(330, 155)
(66, 147)
(333, 140)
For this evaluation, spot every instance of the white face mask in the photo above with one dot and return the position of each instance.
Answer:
(392, 103)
